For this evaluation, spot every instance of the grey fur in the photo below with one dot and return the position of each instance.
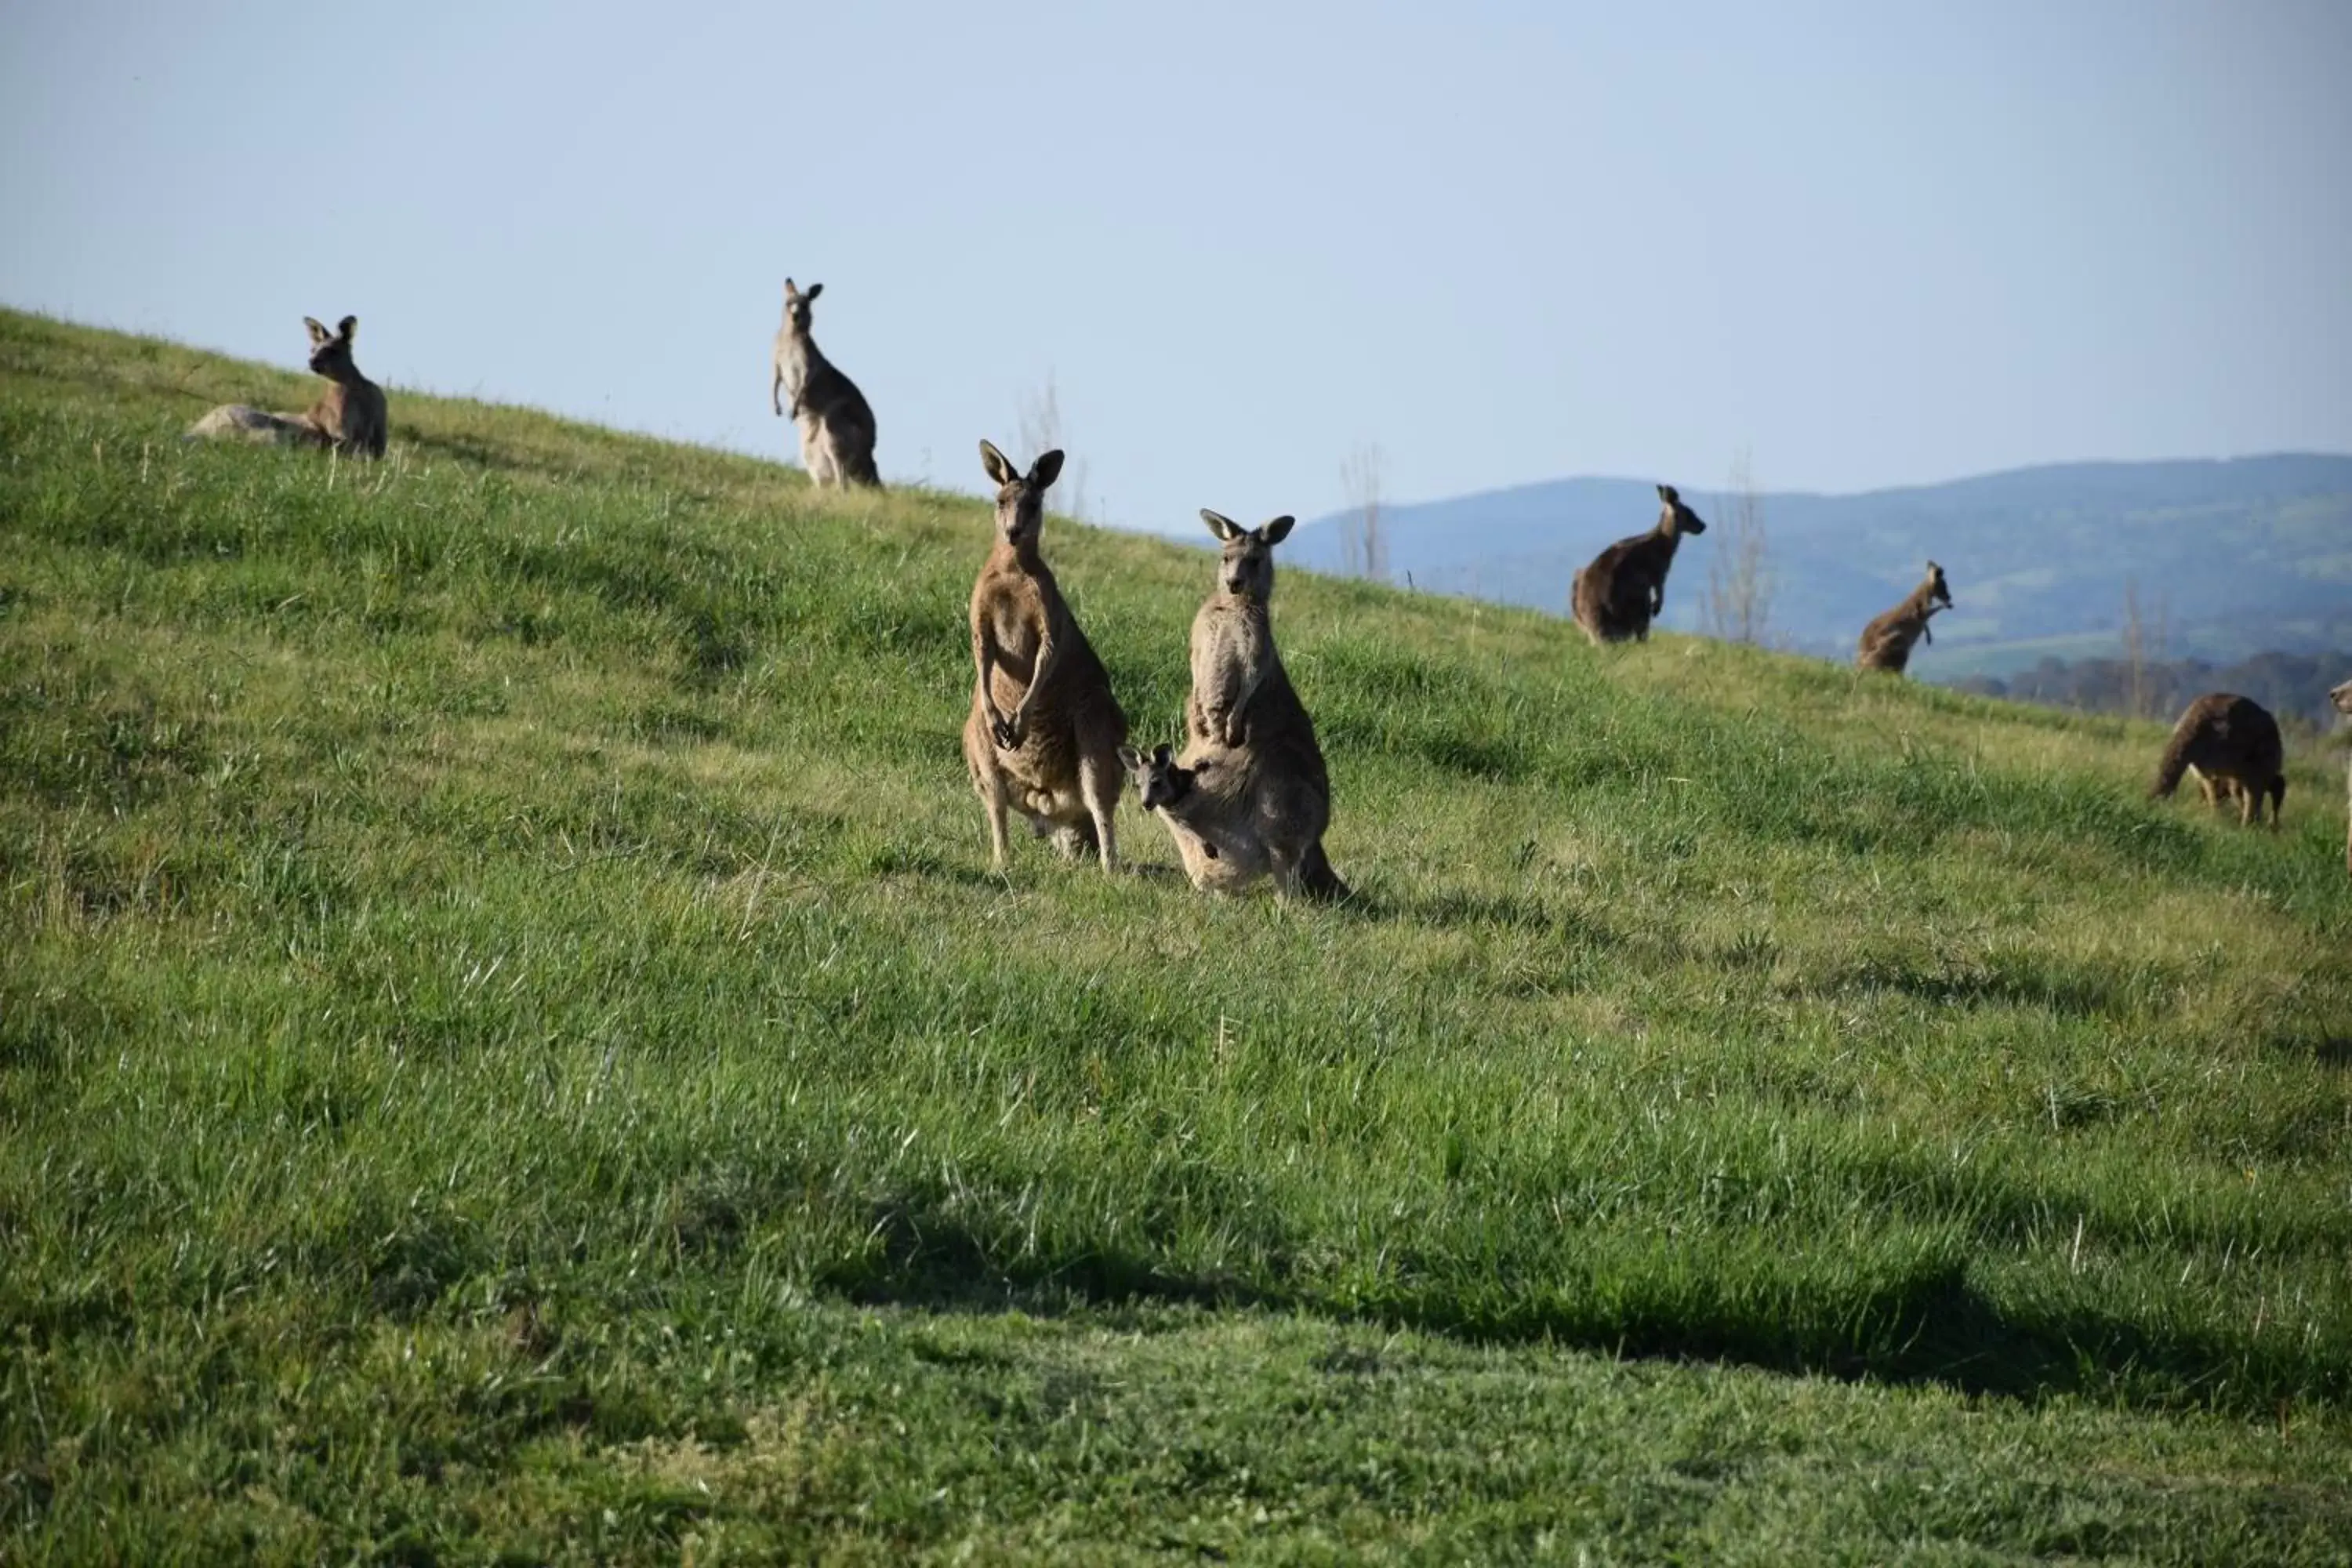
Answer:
(836, 425)
(352, 415)
(1247, 729)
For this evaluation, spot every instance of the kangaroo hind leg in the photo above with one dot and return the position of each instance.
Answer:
(1098, 782)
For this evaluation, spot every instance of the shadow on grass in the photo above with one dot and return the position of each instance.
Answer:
(1928, 1324)
(2334, 1050)
(2052, 985)
(917, 860)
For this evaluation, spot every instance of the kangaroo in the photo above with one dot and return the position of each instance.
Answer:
(351, 416)
(1243, 711)
(2225, 737)
(1044, 731)
(1618, 594)
(1886, 641)
(2342, 697)
(1218, 832)
(836, 426)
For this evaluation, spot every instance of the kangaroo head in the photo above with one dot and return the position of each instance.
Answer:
(1159, 780)
(1936, 586)
(1247, 570)
(331, 352)
(1020, 497)
(1674, 519)
(796, 305)
(2342, 698)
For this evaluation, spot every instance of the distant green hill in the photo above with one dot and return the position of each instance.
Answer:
(510, 1050)
(2229, 559)
(2293, 687)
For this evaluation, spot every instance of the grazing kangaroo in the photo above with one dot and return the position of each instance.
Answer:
(836, 426)
(1618, 594)
(2342, 698)
(351, 416)
(1044, 731)
(2230, 738)
(1244, 713)
(1886, 641)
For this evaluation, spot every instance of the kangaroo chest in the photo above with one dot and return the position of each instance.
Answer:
(1019, 630)
(1014, 611)
(337, 411)
(793, 356)
(1231, 635)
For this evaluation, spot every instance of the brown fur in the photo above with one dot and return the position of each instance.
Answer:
(1044, 731)
(352, 415)
(1617, 596)
(2342, 698)
(1244, 716)
(1886, 641)
(2232, 739)
(835, 423)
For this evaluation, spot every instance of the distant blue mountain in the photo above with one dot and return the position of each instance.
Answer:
(2232, 557)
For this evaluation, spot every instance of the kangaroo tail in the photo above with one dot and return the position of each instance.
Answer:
(1322, 882)
(2175, 761)
(862, 471)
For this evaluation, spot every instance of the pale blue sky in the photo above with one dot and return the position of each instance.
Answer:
(1871, 243)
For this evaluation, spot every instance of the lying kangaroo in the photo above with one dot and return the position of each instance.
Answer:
(2228, 738)
(836, 426)
(2342, 698)
(1886, 641)
(351, 416)
(1044, 731)
(1625, 586)
(1244, 713)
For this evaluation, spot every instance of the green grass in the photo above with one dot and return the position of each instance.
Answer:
(508, 1044)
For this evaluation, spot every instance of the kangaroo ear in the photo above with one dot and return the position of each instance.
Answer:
(1129, 758)
(1160, 756)
(1666, 494)
(1223, 527)
(814, 291)
(999, 467)
(318, 333)
(347, 328)
(1045, 470)
(1277, 530)
(1934, 570)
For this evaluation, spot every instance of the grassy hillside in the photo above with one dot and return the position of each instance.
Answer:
(509, 1043)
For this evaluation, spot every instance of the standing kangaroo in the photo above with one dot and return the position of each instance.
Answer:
(1044, 731)
(1886, 641)
(1624, 588)
(351, 416)
(2342, 698)
(2230, 738)
(1244, 716)
(836, 427)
